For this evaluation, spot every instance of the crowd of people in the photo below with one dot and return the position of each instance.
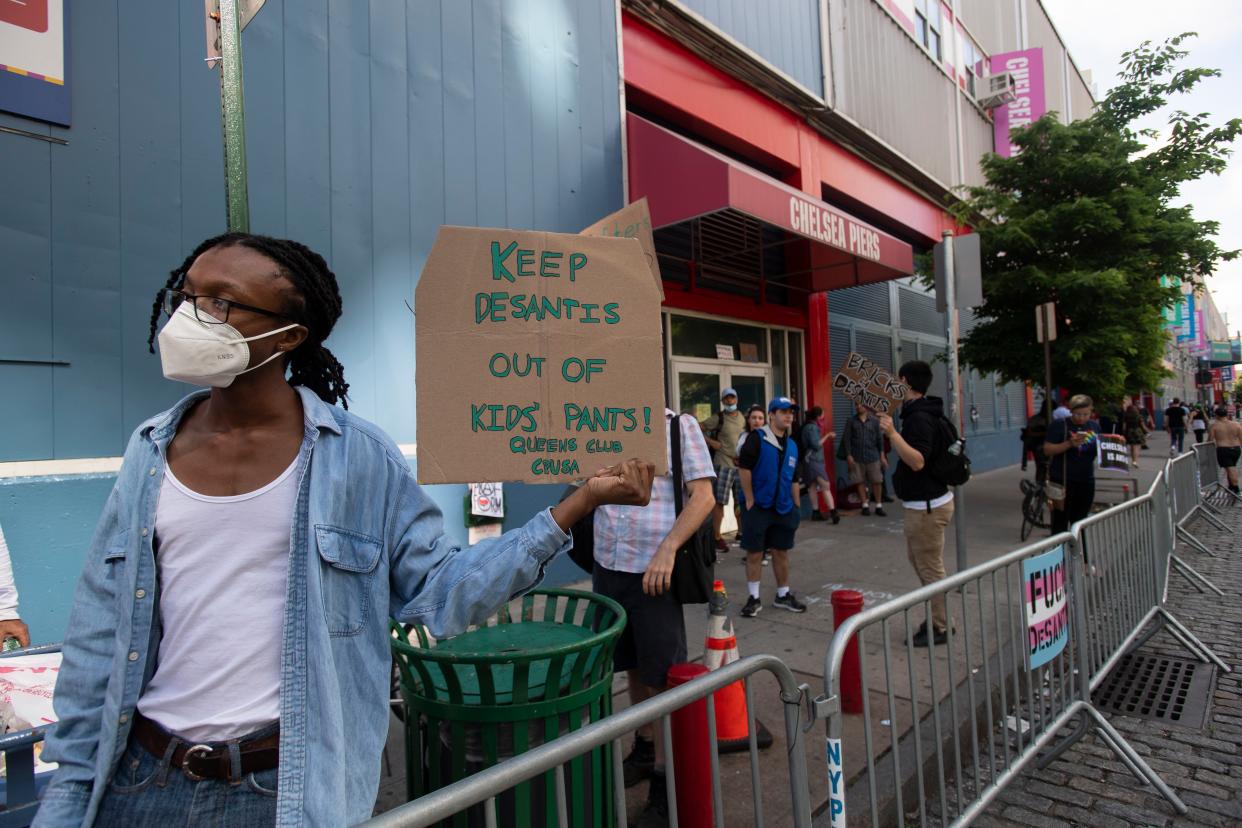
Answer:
(1065, 450)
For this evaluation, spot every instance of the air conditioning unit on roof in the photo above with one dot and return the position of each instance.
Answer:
(997, 90)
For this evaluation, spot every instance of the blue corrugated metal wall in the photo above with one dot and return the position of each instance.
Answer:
(861, 318)
(369, 124)
(783, 32)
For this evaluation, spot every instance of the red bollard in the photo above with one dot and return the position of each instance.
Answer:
(692, 768)
(847, 602)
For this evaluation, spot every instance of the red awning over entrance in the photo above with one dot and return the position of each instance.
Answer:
(683, 180)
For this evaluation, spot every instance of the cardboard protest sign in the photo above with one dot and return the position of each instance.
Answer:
(539, 357)
(1113, 453)
(866, 383)
(633, 221)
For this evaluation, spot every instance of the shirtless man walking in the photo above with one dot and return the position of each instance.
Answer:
(1227, 435)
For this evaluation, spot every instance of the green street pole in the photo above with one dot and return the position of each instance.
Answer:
(234, 119)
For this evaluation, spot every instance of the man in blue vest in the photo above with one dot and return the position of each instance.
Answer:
(766, 467)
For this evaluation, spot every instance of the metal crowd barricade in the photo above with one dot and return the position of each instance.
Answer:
(1181, 476)
(487, 785)
(1209, 480)
(1184, 476)
(979, 708)
(1128, 555)
(957, 721)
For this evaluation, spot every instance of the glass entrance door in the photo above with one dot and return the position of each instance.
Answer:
(751, 385)
(698, 387)
(698, 390)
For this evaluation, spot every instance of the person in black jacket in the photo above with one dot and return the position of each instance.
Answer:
(927, 500)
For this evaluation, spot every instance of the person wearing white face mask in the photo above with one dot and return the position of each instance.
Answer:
(198, 345)
(227, 659)
(722, 431)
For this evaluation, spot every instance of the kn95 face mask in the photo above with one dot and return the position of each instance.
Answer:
(207, 354)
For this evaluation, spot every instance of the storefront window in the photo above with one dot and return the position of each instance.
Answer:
(695, 337)
(780, 388)
(795, 368)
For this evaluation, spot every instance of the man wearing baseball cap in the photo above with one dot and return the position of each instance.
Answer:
(767, 464)
(722, 430)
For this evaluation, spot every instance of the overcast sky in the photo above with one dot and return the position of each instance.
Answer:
(1098, 31)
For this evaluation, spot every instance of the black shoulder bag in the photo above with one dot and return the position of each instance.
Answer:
(693, 567)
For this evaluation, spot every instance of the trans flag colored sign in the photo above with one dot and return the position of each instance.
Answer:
(1046, 609)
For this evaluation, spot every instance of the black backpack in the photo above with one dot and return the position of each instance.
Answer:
(949, 464)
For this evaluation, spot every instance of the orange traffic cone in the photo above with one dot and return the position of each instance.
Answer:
(720, 648)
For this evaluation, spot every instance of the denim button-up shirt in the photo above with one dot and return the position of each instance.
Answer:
(366, 543)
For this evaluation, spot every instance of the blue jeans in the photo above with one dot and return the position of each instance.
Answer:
(1177, 436)
(146, 791)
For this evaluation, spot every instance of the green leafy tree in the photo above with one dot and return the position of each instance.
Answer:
(1083, 217)
(1237, 391)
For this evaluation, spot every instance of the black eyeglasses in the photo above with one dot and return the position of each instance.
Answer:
(208, 309)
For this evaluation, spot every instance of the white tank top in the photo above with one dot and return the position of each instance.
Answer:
(223, 566)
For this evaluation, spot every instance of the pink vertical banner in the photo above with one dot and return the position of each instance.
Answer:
(1202, 348)
(1027, 68)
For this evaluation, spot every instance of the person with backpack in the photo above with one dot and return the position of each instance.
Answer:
(722, 431)
(932, 458)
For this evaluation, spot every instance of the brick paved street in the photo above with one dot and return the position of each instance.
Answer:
(1089, 786)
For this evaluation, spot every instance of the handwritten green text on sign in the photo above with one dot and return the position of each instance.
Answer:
(538, 356)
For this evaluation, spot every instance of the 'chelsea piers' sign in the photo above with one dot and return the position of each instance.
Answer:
(813, 220)
(1029, 103)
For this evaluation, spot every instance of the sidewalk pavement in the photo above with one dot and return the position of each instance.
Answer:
(867, 554)
(1089, 786)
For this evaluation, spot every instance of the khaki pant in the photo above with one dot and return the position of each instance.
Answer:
(925, 543)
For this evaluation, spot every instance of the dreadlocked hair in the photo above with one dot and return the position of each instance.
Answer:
(316, 304)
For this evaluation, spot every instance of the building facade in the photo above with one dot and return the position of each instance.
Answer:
(795, 162)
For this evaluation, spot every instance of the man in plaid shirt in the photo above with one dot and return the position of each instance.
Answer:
(634, 551)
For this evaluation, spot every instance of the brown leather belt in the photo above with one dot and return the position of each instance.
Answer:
(199, 762)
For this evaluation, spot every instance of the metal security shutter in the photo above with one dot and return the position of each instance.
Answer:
(909, 351)
(1002, 405)
(869, 302)
(984, 401)
(876, 347)
(839, 345)
(933, 355)
(1017, 405)
(918, 312)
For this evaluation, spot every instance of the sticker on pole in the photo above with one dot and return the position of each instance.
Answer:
(866, 383)
(836, 785)
(1045, 608)
(1114, 454)
(538, 356)
(487, 500)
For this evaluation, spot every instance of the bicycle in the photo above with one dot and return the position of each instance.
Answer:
(1034, 507)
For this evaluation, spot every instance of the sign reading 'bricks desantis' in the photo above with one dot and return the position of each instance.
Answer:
(539, 357)
(866, 383)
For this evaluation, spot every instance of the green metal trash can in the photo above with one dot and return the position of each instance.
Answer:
(541, 669)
